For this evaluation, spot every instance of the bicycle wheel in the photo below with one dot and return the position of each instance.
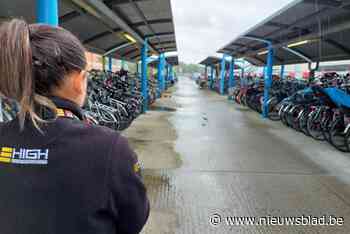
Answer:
(274, 107)
(283, 113)
(314, 126)
(304, 116)
(337, 136)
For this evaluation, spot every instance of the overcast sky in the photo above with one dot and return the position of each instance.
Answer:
(204, 26)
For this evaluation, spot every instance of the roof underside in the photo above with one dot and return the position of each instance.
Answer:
(325, 24)
(100, 35)
(172, 60)
(211, 60)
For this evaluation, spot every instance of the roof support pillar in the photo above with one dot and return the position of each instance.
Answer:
(282, 72)
(267, 74)
(268, 80)
(168, 71)
(211, 80)
(161, 82)
(144, 78)
(110, 63)
(47, 12)
(222, 75)
(171, 71)
(103, 63)
(231, 82)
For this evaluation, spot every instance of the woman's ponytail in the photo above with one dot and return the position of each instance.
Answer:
(34, 59)
(16, 74)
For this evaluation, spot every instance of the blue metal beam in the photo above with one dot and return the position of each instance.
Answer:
(257, 39)
(231, 82)
(167, 71)
(144, 78)
(268, 81)
(297, 53)
(222, 75)
(163, 77)
(47, 12)
(282, 72)
(211, 76)
(110, 63)
(161, 82)
(269, 71)
(171, 78)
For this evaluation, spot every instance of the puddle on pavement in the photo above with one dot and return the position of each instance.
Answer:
(162, 108)
(243, 109)
(135, 141)
(155, 178)
(161, 220)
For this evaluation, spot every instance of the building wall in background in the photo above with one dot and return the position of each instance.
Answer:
(95, 62)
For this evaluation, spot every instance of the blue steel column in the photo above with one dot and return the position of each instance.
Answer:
(161, 83)
(231, 82)
(243, 83)
(211, 76)
(171, 78)
(223, 71)
(282, 72)
(144, 81)
(47, 12)
(167, 71)
(110, 63)
(268, 81)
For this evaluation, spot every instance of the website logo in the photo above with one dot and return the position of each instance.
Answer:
(24, 156)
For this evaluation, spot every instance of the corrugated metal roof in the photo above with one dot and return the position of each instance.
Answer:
(148, 18)
(322, 25)
(212, 60)
(172, 60)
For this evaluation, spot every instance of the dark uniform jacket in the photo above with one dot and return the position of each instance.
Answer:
(74, 179)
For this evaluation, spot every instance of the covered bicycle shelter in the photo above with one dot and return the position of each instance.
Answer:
(228, 67)
(127, 30)
(305, 31)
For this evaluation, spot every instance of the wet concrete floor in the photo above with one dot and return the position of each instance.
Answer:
(211, 156)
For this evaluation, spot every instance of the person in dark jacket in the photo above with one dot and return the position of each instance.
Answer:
(59, 174)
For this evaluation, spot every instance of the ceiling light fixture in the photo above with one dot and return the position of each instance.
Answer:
(263, 52)
(129, 37)
(298, 43)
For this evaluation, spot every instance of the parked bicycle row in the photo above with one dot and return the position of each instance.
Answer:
(319, 109)
(114, 99)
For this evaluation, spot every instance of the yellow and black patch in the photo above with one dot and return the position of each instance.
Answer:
(137, 167)
(6, 154)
